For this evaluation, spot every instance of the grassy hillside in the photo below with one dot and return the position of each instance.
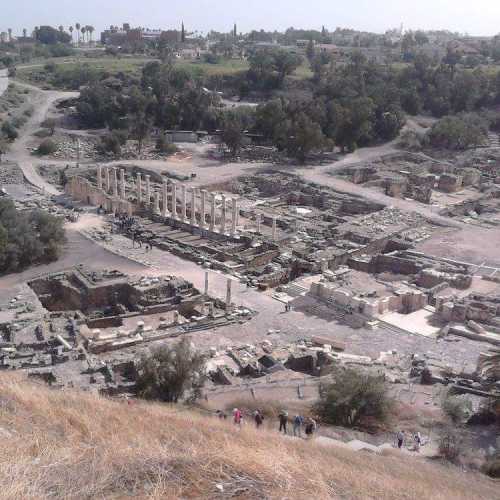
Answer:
(75, 445)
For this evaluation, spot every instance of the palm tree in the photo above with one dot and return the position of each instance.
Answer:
(77, 26)
(25, 33)
(71, 32)
(90, 29)
(83, 30)
(61, 28)
(10, 34)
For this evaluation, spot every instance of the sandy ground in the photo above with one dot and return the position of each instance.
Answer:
(472, 244)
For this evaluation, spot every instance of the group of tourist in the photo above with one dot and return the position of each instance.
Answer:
(299, 423)
(402, 440)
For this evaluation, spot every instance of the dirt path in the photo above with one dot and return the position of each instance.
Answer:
(4, 81)
(19, 153)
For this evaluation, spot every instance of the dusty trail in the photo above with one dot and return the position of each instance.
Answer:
(42, 101)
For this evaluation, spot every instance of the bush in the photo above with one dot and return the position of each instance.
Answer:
(27, 238)
(9, 131)
(352, 396)
(47, 147)
(458, 408)
(451, 445)
(110, 143)
(492, 467)
(170, 372)
(50, 124)
(164, 147)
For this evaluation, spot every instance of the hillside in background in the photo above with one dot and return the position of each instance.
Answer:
(61, 444)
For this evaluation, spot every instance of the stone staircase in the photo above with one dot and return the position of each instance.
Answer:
(494, 140)
(295, 290)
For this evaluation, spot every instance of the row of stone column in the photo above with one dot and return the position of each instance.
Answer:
(171, 209)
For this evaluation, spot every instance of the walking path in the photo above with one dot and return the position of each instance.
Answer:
(4, 81)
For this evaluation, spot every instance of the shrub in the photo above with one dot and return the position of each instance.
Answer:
(352, 396)
(492, 467)
(50, 124)
(110, 143)
(451, 445)
(164, 147)
(47, 147)
(458, 408)
(9, 131)
(170, 372)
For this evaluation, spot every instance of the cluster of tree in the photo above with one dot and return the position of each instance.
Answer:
(269, 67)
(166, 97)
(27, 238)
(459, 132)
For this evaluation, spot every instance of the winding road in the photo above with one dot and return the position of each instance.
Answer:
(19, 153)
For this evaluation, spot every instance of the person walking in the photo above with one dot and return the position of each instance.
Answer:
(310, 427)
(237, 417)
(401, 438)
(283, 418)
(418, 441)
(297, 426)
(259, 418)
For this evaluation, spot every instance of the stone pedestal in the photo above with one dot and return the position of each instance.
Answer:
(123, 191)
(234, 219)
(108, 181)
(203, 208)
(228, 295)
(193, 207)
(148, 190)
(157, 203)
(139, 188)
(183, 203)
(212, 212)
(223, 216)
(115, 182)
(99, 177)
(174, 200)
(165, 199)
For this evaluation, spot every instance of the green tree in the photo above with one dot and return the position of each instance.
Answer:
(352, 396)
(233, 135)
(304, 136)
(171, 372)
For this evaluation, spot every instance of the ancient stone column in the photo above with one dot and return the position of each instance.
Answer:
(174, 200)
(183, 202)
(148, 190)
(123, 192)
(165, 199)
(193, 207)
(203, 202)
(157, 202)
(228, 295)
(99, 177)
(129, 209)
(258, 223)
(206, 282)
(139, 188)
(234, 217)
(274, 229)
(223, 215)
(212, 212)
(115, 182)
(108, 181)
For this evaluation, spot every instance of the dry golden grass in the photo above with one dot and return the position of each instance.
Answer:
(65, 444)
